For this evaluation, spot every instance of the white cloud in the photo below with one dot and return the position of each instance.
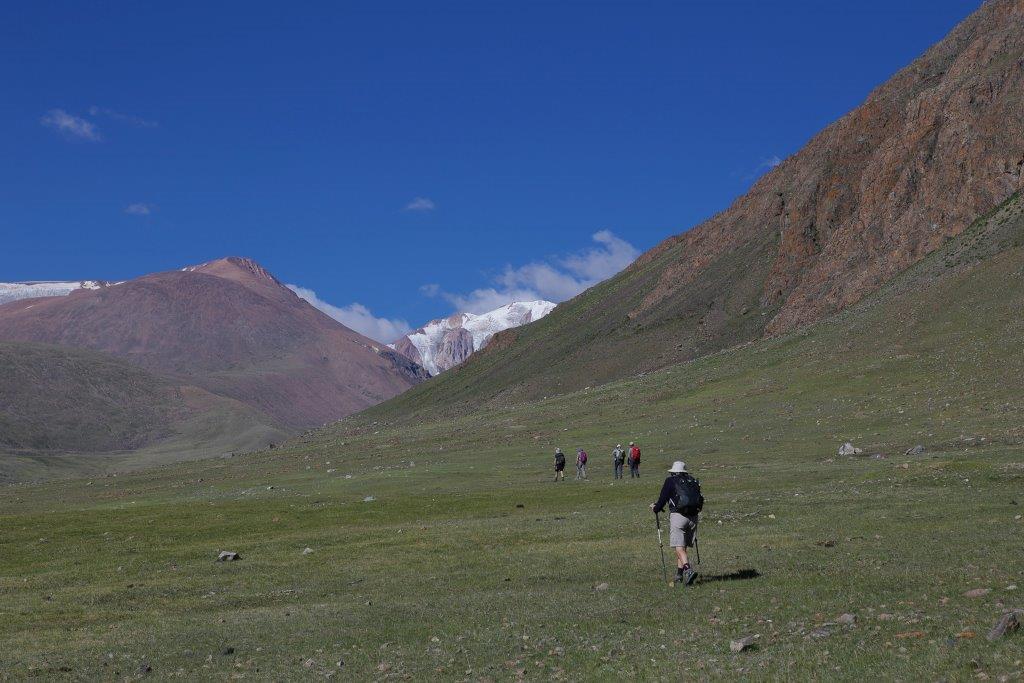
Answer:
(70, 125)
(421, 204)
(139, 209)
(357, 317)
(124, 118)
(554, 280)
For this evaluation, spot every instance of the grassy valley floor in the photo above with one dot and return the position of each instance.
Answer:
(442, 549)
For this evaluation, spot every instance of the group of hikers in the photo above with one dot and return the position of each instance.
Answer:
(680, 493)
(619, 458)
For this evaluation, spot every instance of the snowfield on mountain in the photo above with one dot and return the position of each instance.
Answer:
(444, 343)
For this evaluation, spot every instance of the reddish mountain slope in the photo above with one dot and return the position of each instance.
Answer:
(937, 145)
(229, 327)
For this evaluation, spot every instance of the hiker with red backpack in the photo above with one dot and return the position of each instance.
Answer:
(581, 464)
(634, 460)
(681, 492)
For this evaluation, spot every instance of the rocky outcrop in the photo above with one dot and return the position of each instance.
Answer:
(456, 346)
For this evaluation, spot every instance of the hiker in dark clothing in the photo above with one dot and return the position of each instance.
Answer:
(634, 460)
(618, 459)
(681, 492)
(559, 465)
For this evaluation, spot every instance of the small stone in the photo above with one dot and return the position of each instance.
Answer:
(820, 632)
(849, 449)
(227, 651)
(520, 506)
(771, 516)
(309, 663)
(744, 643)
(977, 592)
(847, 619)
(145, 669)
(1007, 624)
(228, 556)
(307, 551)
(916, 450)
(909, 634)
(885, 616)
(905, 466)
(369, 499)
(601, 587)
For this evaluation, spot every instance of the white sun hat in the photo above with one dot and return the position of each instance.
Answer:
(677, 467)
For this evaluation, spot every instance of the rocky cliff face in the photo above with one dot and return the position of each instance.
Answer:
(930, 150)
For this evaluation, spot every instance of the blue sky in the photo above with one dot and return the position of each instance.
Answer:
(402, 159)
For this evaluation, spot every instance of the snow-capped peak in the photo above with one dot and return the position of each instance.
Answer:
(446, 342)
(12, 291)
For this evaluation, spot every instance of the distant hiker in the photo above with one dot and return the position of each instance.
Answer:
(618, 460)
(581, 463)
(634, 460)
(559, 465)
(682, 494)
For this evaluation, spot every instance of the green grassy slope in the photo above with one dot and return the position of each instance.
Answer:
(469, 563)
(91, 401)
(73, 411)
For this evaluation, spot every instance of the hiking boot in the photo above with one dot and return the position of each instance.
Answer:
(689, 576)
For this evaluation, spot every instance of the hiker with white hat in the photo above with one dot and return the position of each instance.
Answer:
(681, 492)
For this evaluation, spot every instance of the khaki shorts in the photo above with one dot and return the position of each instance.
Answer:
(681, 530)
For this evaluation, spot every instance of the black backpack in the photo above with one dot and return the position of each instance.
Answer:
(559, 458)
(688, 499)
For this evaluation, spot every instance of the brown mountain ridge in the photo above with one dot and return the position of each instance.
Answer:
(939, 144)
(229, 328)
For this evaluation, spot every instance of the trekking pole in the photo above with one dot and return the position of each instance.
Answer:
(661, 546)
(696, 546)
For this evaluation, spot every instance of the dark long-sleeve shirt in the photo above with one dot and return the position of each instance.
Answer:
(668, 492)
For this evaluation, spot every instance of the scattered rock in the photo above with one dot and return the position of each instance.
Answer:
(601, 587)
(307, 551)
(820, 632)
(744, 643)
(309, 663)
(1007, 624)
(520, 506)
(369, 499)
(916, 450)
(828, 543)
(228, 651)
(847, 619)
(885, 616)
(849, 449)
(228, 556)
(909, 634)
(904, 466)
(977, 592)
(145, 669)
